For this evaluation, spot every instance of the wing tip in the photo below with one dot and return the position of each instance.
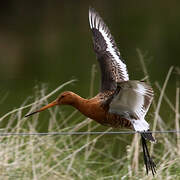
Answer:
(91, 9)
(95, 19)
(92, 17)
(146, 89)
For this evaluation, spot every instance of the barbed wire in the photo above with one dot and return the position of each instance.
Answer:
(80, 133)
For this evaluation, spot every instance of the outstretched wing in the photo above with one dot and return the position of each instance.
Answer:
(133, 100)
(113, 69)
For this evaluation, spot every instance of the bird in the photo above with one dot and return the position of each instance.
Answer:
(120, 103)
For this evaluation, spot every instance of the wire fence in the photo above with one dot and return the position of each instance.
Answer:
(81, 133)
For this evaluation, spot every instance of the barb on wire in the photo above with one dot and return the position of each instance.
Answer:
(80, 133)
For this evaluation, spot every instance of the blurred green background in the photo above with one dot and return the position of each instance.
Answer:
(50, 42)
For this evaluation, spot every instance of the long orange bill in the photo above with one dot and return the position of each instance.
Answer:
(43, 108)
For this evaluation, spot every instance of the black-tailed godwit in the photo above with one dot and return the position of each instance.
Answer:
(121, 102)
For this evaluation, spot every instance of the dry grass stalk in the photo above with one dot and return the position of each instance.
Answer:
(159, 105)
(91, 93)
(135, 161)
(177, 119)
(165, 97)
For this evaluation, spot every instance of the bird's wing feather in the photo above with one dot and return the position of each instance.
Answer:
(133, 100)
(113, 69)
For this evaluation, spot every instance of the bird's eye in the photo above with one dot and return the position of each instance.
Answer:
(62, 96)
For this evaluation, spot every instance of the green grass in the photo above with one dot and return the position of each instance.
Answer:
(86, 156)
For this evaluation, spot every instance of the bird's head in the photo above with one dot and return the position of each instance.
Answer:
(64, 98)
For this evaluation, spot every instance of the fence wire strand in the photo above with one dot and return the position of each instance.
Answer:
(80, 133)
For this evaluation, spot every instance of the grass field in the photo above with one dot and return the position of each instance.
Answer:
(87, 156)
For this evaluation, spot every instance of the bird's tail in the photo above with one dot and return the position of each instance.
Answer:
(148, 135)
(150, 165)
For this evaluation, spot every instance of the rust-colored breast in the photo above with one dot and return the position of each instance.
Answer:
(96, 110)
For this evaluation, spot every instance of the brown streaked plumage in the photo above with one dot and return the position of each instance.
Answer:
(121, 102)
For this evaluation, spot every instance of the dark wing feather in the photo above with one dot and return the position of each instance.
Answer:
(113, 69)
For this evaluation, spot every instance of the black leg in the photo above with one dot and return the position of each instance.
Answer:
(150, 165)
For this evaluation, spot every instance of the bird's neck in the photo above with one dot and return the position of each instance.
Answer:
(79, 103)
(83, 105)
